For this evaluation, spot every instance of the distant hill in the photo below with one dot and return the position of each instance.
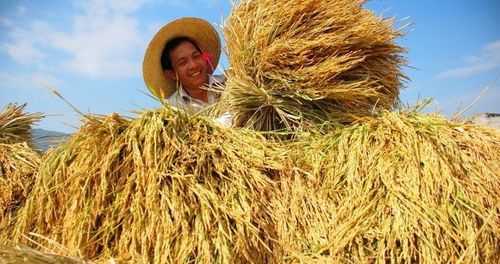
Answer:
(44, 139)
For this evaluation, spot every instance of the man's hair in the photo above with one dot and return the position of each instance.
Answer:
(166, 63)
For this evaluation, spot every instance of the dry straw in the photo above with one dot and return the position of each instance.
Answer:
(19, 255)
(16, 125)
(18, 164)
(308, 61)
(161, 188)
(18, 160)
(401, 188)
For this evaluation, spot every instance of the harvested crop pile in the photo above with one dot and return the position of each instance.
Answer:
(16, 125)
(18, 254)
(308, 61)
(18, 164)
(161, 188)
(18, 160)
(403, 188)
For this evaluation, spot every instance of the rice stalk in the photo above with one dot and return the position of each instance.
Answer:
(18, 164)
(20, 254)
(295, 62)
(15, 125)
(401, 188)
(161, 188)
(18, 161)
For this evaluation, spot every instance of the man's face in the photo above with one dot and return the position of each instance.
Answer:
(189, 65)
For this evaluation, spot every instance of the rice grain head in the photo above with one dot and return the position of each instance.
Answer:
(404, 187)
(295, 62)
(16, 125)
(20, 254)
(160, 188)
(18, 160)
(18, 164)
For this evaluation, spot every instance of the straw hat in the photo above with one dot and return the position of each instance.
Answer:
(194, 28)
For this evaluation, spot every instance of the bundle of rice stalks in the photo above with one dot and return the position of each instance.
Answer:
(18, 160)
(18, 255)
(16, 125)
(401, 188)
(308, 61)
(18, 164)
(161, 188)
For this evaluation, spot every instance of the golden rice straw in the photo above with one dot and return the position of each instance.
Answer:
(16, 125)
(18, 160)
(309, 61)
(161, 188)
(18, 163)
(19, 255)
(401, 188)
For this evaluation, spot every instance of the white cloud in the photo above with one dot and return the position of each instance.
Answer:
(21, 10)
(25, 47)
(28, 81)
(107, 6)
(23, 52)
(185, 4)
(5, 22)
(467, 71)
(177, 3)
(39, 78)
(102, 47)
(106, 41)
(210, 3)
(488, 59)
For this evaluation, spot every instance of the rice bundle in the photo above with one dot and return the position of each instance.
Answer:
(309, 61)
(16, 125)
(18, 160)
(403, 188)
(19, 254)
(161, 188)
(18, 164)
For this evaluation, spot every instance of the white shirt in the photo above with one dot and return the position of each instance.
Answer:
(182, 100)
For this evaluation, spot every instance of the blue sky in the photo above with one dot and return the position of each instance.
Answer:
(91, 52)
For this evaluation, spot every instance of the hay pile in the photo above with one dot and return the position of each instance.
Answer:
(403, 188)
(161, 188)
(168, 188)
(18, 160)
(309, 61)
(16, 125)
(18, 163)
(18, 255)
(391, 187)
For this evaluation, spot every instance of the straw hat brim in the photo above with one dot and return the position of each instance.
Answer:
(194, 28)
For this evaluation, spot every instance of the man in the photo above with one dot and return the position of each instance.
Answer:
(179, 63)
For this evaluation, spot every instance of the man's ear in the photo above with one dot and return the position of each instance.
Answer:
(170, 74)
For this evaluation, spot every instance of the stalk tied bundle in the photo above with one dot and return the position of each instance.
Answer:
(295, 62)
(161, 188)
(18, 160)
(404, 187)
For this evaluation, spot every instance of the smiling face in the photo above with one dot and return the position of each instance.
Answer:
(187, 62)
